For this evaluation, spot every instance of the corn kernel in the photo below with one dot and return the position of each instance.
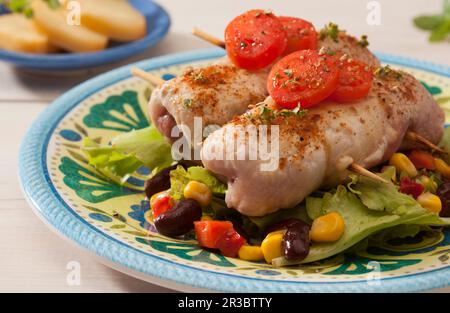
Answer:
(403, 164)
(198, 191)
(281, 231)
(442, 167)
(430, 202)
(327, 228)
(271, 246)
(251, 253)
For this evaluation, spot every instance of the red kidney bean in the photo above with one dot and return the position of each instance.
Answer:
(296, 241)
(180, 219)
(159, 182)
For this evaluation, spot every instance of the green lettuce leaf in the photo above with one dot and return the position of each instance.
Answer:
(381, 197)
(399, 231)
(147, 145)
(363, 215)
(180, 177)
(314, 206)
(128, 152)
(108, 159)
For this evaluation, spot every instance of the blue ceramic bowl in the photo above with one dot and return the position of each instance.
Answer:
(158, 23)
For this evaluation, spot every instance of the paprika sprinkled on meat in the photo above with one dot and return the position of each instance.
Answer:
(221, 90)
(334, 135)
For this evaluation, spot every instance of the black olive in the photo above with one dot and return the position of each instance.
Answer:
(180, 219)
(296, 241)
(443, 193)
(159, 182)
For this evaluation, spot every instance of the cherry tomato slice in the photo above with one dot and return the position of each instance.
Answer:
(303, 77)
(355, 81)
(255, 39)
(301, 34)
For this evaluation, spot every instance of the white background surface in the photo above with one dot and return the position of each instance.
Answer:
(32, 258)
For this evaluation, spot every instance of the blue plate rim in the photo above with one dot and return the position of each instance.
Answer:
(43, 197)
(72, 61)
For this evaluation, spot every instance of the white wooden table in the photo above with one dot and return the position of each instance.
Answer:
(32, 258)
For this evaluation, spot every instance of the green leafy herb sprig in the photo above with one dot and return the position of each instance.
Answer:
(24, 7)
(268, 114)
(438, 25)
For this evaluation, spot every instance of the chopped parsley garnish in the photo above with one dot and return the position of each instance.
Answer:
(288, 72)
(199, 77)
(268, 114)
(187, 103)
(363, 42)
(384, 71)
(298, 111)
(331, 30)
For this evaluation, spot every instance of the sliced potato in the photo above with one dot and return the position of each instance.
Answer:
(116, 19)
(20, 34)
(72, 38)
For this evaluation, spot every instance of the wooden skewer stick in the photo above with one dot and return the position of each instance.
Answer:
(152, 79)
(207, 37)
(416, 137)
(354, 167)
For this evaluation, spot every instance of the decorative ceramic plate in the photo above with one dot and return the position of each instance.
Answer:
(158, 23)
(108, 220)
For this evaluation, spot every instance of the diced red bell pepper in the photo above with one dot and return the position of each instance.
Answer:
(160, 205)
(410, 187)
(422, 159)
(209, 232)
(230, 243)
